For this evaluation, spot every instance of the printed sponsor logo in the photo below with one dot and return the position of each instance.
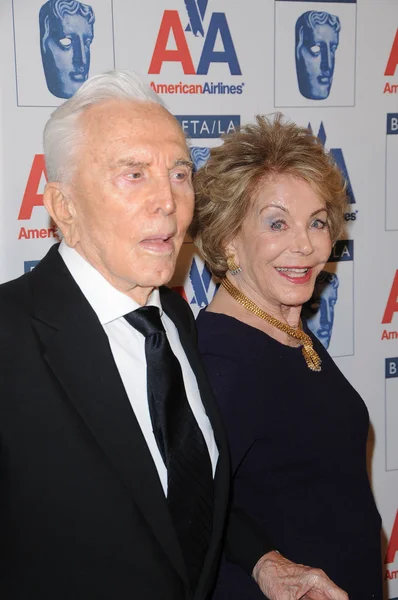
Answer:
(212, 32)
(29, 265)
(390, 310)
(338, 156)
(208, 126)
(391, 67)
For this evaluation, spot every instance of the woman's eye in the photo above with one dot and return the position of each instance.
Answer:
(319, 224)
(278, 225)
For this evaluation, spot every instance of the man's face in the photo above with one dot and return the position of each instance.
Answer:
(132, 194)
(321, 311)
(315, 58)
(66, 54)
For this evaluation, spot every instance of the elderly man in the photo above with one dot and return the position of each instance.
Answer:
(113, 462)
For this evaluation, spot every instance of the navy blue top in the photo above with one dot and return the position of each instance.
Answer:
(298, 450)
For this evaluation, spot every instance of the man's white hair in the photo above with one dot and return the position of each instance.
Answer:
(63, 132)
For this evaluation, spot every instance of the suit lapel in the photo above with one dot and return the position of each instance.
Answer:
(77, 350)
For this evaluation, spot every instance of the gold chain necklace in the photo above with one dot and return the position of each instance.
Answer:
(311, 357)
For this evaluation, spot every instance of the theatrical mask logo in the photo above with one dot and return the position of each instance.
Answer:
(319, 310)
(317, 39)
(66, 33)
(199, 156)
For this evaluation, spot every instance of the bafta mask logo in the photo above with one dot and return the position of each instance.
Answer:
(317, 39)
(319, 310)
(199, 156)
(66, 33)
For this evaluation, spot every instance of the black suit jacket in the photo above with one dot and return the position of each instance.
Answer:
(82, 511)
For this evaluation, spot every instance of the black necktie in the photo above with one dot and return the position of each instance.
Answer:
(180, 441)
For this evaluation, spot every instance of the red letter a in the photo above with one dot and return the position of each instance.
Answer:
(31, 198)
(393, 543)
(393, 60)
(171, 22)
(392, 302)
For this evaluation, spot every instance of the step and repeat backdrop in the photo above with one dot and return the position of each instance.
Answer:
(331, 66)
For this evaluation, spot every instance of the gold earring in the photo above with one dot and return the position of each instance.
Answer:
(234, 269)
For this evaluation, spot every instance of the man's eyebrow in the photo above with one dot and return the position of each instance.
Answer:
(181, 162)
(129, 162)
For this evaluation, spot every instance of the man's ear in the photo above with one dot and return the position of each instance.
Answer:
(60, 206)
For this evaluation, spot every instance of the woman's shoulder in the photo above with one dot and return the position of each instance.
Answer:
(218, 328)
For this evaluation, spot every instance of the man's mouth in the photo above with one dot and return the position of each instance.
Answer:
(159, 243)
(323, 80)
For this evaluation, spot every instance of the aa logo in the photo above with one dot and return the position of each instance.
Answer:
(201, 285)
(172, 30)
(393, 58)
(392, 302)
(338, 156)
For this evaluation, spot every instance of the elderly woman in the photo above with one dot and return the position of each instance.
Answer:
(269, 207)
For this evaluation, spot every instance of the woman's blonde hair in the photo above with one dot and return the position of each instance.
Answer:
(248, 158)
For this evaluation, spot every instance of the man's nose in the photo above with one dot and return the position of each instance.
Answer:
(163, 199)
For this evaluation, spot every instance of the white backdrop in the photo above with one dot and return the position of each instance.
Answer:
(242, 61)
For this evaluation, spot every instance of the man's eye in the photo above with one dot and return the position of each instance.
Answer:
(135, 175)
(65, 42)
(315, 49)
(180, 175)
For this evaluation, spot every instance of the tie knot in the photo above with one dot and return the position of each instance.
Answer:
(146, 320)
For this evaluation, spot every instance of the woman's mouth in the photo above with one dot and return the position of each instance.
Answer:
(295, 274)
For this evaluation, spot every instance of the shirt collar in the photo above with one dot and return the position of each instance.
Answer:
(107, 302)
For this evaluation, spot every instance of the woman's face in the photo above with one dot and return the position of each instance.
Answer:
(283, 244)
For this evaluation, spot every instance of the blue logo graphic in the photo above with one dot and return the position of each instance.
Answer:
(29, 265)
(338, 156)
(199, 156)
(343, 251)
(66, 33)
(208, 126)
(200, 284)
(319, 310)
(391, 371)
(317, 39)
(196, 10)
(392, 124)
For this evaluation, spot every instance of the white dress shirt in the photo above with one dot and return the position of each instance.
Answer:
(128, 349)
